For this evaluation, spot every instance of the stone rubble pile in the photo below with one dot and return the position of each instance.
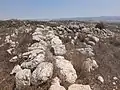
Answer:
(36, 61)
(36, 70)
(90, 40)
(105, 33)
(43, 70)
(11, 39)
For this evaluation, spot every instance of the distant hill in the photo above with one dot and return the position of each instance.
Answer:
(101, 18)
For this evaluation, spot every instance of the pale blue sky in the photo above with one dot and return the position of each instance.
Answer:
(49, 9)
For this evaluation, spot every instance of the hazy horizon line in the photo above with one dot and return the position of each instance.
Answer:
(58, 18)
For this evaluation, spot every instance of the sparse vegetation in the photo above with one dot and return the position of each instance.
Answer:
(100, 26)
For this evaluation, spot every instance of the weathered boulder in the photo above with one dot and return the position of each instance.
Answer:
(16, 69)
(22, 77)
(38, 37)
(28, 30)
(59, 49)
(42, 73)
(91, 43)
(41, 26)
(73, 26)
(65, 70)
(93, 38)
(56, 41)
(79, 87)
(37, 33)
(41, 45)
(86, 30)
(89, 65)
(35, 52)
(55, 84)
(32, 54)
(39, 29)
(68, 30)
(100, 78)
(50, 35)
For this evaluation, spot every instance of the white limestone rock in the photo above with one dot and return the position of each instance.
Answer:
(16, 69)
(28, 30)
(50, 35)
(115, 78)
(55, 84)
(60, 27)
(10, 51)
(65, 70)
(56, 41)
(42, 26)
(39, 29)
(100, 78)
(59, 49)
(41, 45)
(72, 41)
(22, 77)
(42, 73)
(32, 54)
(68, 30)
(38, 37)
(95, 39)
(76, 36)
(7, 39)
(37, 33)
(89, 65)
(14, 59)
(79, 87)
(13, 44)
(33, 63)
(71, 26)
(91, 43)
(86, 30)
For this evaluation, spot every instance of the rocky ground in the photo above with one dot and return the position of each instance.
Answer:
(59, 55)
